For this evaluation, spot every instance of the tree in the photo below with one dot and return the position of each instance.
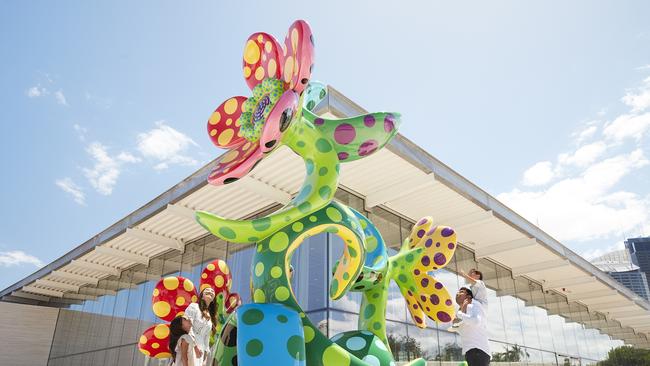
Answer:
(514, 354)
(627, 356)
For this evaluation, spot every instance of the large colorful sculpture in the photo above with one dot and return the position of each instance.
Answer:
(274, 329)
(173, 294)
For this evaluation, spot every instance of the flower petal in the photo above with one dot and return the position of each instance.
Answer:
(223, 125)
(235, 164)
(298, 56)
(262, 59)
(357, 137)
(438, 242)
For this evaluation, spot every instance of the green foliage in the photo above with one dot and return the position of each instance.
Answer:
(514, 353)
(627, 356)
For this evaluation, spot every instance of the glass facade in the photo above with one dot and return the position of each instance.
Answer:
(527, 326)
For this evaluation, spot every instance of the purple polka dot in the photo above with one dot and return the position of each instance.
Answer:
(368, 147)
(424, 282)
(410, 294)
(417, 319)
(451, 245)
(447, 232)
(369, 120)
(440, 259)
(432, 230)
(423, 298)
(415, 306)
(448, 302)
(444, 317)
(420, 233)
(437, 244)
(343, 155)
(426, 261)
(438, 285)
(421, 222)
(435, 300)
(428, 243)
(416, 272)
(389, 123)
(344, 133)
(319, 121)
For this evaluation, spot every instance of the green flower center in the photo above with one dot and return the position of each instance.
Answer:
(258, 107)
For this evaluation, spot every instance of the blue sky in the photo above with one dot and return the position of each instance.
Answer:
(544, 104)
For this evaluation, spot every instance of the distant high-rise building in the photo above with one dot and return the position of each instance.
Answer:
(639, 249)
(620, 266)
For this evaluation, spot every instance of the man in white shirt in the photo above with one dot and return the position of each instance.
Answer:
(472, 329)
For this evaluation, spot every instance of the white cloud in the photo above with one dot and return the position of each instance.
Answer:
(67, 185)
(638, 99)
(166, 145)
(587, 133)
(538, 174)
(585, 206)
(17, 258)
(36, 91)
(60, 98)
(104, 174)
(628, 126)
(584, 155)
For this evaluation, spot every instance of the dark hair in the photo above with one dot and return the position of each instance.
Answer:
(479, 273)
(467, 291)
(209, 311)
(176, 331)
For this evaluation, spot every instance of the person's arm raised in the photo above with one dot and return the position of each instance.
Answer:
(467, 277)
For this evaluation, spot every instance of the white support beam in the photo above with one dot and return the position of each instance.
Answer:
(79, 296)
(591, 295)
(57, 285)
(95, 267)
(540, 266)
(614, 306)
(158, 240)
(43, 291)
(137, 258)
(95, 291)
(492, 249)
(180, 211)
(595, 301)
(397, 191)
(26, 295)
(631, 315)
(265, 190)
(75, 277)
(458, 223)
(568, 282)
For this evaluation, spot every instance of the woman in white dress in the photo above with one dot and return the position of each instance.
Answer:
(203, 317)
(181, 344)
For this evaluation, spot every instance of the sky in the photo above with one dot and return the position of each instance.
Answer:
(543, 104)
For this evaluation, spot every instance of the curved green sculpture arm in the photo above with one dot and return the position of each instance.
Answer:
(322, 167)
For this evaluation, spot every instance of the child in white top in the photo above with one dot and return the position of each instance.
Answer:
(475, 278)
(181, 344)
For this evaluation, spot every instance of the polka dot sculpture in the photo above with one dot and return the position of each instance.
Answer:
(154, 342)
(274, 329)
(172, 295)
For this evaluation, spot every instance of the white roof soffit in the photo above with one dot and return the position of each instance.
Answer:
(401, 178)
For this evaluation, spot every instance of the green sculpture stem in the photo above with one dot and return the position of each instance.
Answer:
(318, 190)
